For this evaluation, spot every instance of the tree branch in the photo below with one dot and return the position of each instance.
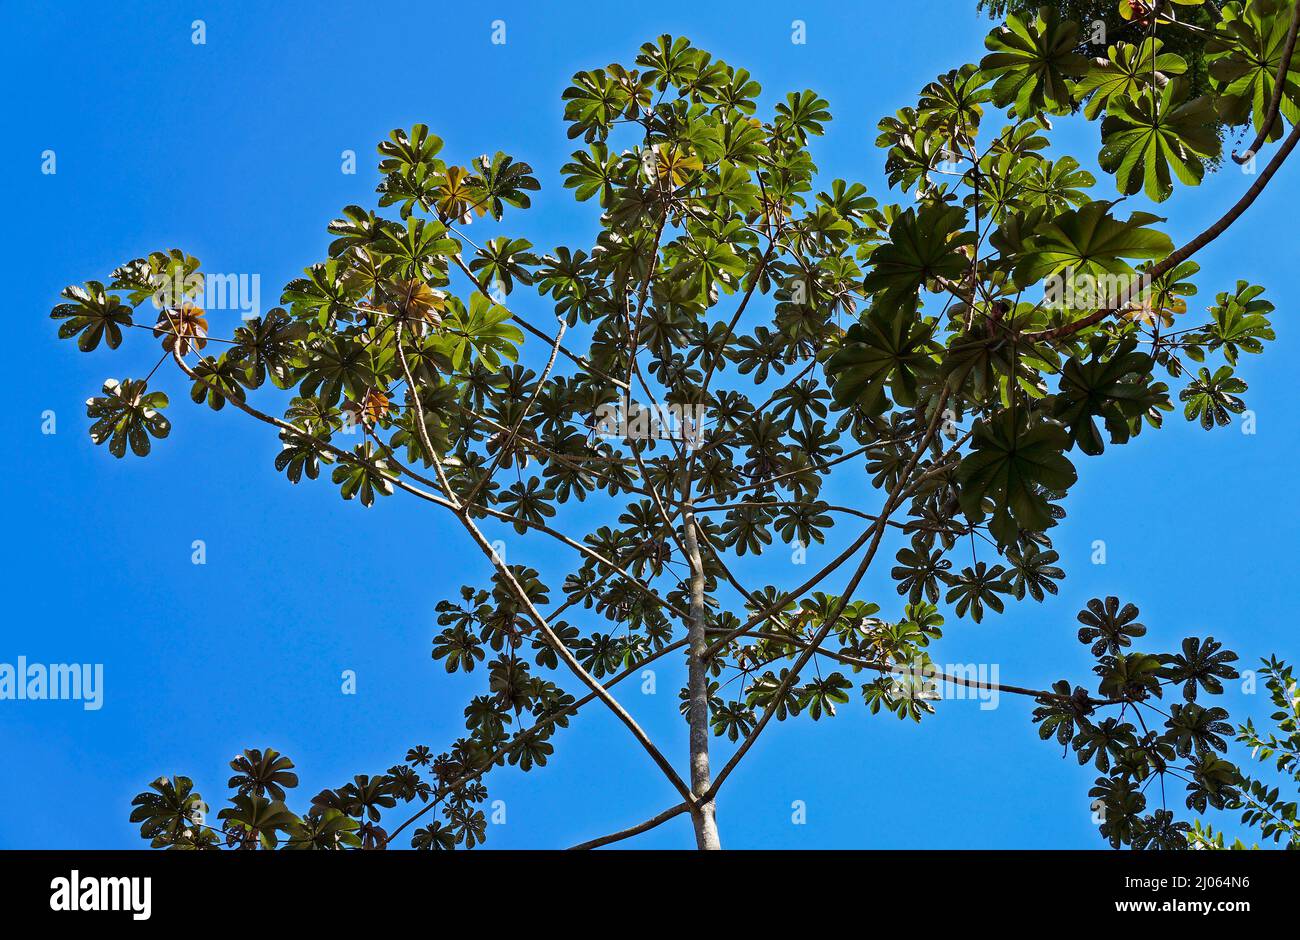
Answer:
(651, 823)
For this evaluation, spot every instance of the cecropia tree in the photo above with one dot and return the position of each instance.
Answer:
(739, 335)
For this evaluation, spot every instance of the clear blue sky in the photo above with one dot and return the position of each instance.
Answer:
(231, 150)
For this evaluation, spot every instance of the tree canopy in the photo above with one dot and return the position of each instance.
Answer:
(741, 331)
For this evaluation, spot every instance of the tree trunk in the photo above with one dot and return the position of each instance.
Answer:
(697, 685)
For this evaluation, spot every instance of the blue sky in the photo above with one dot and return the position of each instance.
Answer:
(232, 150)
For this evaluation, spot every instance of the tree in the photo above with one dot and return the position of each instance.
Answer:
(737, 336)
(1262, 807)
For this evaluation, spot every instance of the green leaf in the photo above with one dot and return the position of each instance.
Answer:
(257, 821)
(921, 247)
(1240, 322)
(127, 414)
(404, 152)
(888, 348)
(1127, 72)
(267, 346)
(169, 815)
(92, 315)
(364, 477)
(1012, 463)
(1090, 242)
(1212, 399)
(484, 331)
(1244, 55)
(1030, 62)
(504, 182)
(1108, 627)
(1144, 140)
(978, 587)
(1115, 387)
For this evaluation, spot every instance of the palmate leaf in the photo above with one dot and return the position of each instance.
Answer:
(953, 102)
(1108, 627)
(1212, 399)
(822, 695)
(1115, 388)
(126, 413)
(734, 719)
(404, 151)
(921, 247)
(93, 315)
(595, 100)
(218, 380)
(888, 349)
(364, 477)
(763, 694)
(1058, 714)
(328, 830)
(1194, 727)
(434, 837)
(1123, 803)
(1011, 463)
(504, 182)
(1146, 140)
(182, 328)
(1098, 743)
(359, 228)
(1125, 74)
(981, 363)
(329, 291)
(705, 263)
(915, 151)
(1030, 62)
(1057, 184)
(260, 772)
(1160, 831)
(265, 346)
(169, 278)
(977, 587)
(300, 455)
(482, 332)
(1200, 665)
(1129, 675)
(1033, 572)
(256, 821)
(1214, 783)
(502, 261)
(1090, 242)
(1164, 298)
(919, 569)
(419, 247)
(1240, 322)
(1245, 54)
(802, 114)
(336, 365)
(166, 815)
(904, 694)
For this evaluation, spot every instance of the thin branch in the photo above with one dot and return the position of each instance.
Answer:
(639, 828)
(879, 528)
(504, 449)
